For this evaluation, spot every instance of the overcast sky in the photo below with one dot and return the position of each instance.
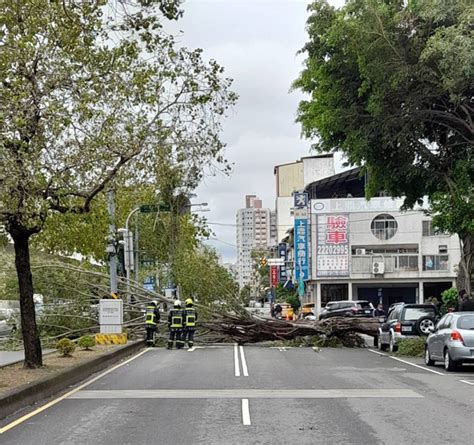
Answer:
(256, 41)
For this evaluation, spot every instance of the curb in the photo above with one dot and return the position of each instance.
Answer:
(26, 395)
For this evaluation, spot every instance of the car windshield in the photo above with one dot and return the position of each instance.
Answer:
(465, 322)
(415, 313)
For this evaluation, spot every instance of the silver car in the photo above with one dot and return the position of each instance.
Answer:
(452, 341)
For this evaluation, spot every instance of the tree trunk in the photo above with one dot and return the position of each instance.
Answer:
(29, 329)
(466, 264)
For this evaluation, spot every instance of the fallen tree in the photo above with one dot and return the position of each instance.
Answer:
(249, 328)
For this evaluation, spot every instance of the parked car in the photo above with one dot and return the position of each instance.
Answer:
(452, 341)
(406, 321)
(347, 308)
(307, 310)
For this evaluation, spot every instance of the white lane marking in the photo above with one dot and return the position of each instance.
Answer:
(192, 349)
(236, 360)
(68, 394)
(468, 382)
(407, 362)
(244, 362)
(416, 366)
(379, 353)
(246, 393)
(245, 412)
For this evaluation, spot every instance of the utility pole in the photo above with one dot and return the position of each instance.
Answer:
(137, 249)
(111, 248)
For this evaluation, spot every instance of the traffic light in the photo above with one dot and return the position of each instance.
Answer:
(263, 261)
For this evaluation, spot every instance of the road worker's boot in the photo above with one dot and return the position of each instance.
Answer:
(170, 345)
(190, 344)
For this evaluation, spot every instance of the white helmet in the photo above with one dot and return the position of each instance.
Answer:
(177, 303)
(154, 302)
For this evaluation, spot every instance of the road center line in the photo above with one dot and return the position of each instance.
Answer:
(68, 394)
(407, 362)
(236, 360)
(244, 362)
(245, 412)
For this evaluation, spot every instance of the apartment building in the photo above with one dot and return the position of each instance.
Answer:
(253, 232)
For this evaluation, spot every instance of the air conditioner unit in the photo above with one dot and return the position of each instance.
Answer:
(360, 251)
(378, 268)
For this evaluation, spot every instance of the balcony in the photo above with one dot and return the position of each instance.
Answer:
(362, 264)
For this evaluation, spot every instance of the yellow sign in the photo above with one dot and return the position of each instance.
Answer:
(111, 339)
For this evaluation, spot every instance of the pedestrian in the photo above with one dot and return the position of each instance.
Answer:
(151, 322)
(465, 303)
(175, 325)
(378, 311)
(190, 318)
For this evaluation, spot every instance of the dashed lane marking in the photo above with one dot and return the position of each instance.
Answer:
(246, 412)
(396, 393)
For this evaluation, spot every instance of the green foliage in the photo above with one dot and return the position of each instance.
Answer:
(65, 347)
(390, 85)
(294, 301)
(86, 342)
(450, 297)
(411, 347)
(245, 295)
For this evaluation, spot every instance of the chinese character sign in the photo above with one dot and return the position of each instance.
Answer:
(274, 275)
(332, 246)
(301, 249)
(282, 253)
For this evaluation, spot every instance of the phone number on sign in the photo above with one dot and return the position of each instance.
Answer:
(333, 250)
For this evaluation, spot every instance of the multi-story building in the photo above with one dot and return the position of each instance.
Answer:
(292, 177)
(253, 232)
(372, 250)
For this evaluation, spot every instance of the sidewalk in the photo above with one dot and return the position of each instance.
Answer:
(10, 357)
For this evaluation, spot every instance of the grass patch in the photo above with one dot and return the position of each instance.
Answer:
(411, 347)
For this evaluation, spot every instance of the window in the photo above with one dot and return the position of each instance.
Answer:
(443, 249)
(435, 262)
(406, 262)
(466, 322)
(415, 313)
(429, 230)
(384, 226)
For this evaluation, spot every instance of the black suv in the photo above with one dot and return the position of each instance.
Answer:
(404, 321)
(347, 308)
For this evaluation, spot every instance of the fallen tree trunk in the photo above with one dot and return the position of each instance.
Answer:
(253, 329)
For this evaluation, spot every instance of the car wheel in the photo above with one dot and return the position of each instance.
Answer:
(392, 345)
(425, 326)
(428, 361)
(449, 364)
(381, 346)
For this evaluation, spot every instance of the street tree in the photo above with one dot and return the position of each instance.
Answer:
(391, 86)
(91, 93)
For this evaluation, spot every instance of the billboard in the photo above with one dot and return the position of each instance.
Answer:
(332, 245)
(301, 245)
(274, 275)
(282, 253)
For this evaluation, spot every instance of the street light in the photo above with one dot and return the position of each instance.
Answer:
(128, 253)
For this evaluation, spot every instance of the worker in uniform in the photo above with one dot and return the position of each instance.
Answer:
(151, 322)
(175, 325)
(190, 318)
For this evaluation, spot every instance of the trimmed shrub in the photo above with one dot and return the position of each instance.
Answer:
(86, 342)
(412, 347)
(65, 347)
(450, 297)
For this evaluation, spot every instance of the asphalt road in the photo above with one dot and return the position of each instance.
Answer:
(273, 396)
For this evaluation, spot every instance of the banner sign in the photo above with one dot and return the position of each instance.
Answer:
(301, 246)
(332, 248)
(300, 199)
(282, 253)
(274, 275)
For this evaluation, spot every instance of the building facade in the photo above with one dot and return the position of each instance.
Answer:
(253, 232)
(371, 250)
(293, 177)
